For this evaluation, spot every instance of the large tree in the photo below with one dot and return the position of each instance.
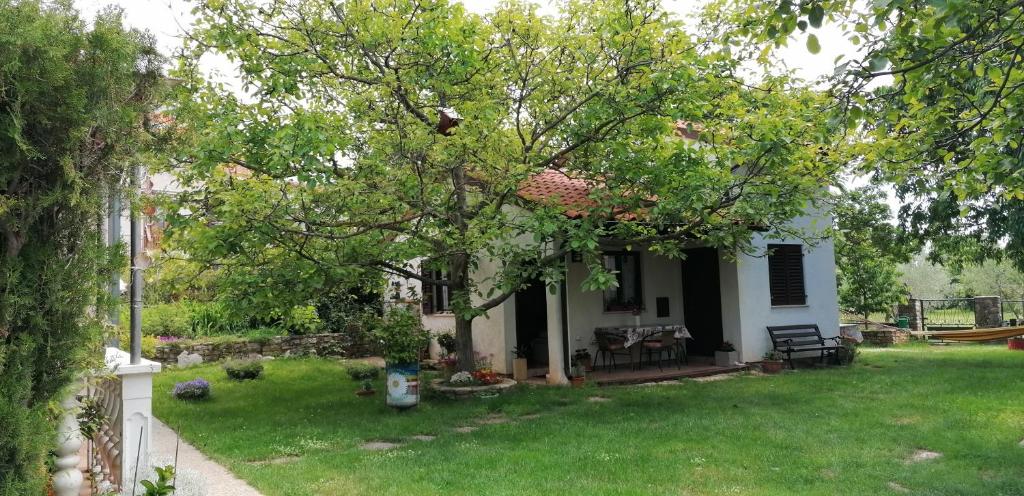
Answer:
(869, 250)
(72, 104)
(933, 93)
(402, 131)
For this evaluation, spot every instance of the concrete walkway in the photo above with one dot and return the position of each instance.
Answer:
(218, 480)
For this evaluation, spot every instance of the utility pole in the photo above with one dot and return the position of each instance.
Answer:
(136, 273)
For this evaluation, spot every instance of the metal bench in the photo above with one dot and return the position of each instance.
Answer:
(789, 339)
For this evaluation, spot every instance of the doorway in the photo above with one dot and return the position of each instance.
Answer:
(532, 323)
(702, 300)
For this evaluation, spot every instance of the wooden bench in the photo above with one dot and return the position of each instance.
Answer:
(789, 339)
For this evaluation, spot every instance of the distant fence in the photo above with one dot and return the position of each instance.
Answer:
(948, 314)
(959, 313)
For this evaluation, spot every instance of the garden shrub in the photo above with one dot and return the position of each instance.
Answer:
(362, 371)
(72, 108)
(241, 370)
(302, 320)
(196, 389)
(211, 319)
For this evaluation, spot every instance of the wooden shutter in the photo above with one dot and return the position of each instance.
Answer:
(786, 275)
(428, 292)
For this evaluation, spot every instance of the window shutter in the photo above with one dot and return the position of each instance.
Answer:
(428, 292)
(786, 275)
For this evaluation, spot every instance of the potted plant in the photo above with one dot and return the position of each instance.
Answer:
(726, 355)
(402, 338)
(847, 352)
(520, 370)
(772, 362)
(365, 374)
(446, 341)
(579, 373)
(582, 357)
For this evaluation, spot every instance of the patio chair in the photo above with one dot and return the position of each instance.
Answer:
(663, 344)
(609, 345)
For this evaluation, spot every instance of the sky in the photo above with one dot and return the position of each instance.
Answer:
(166, 19)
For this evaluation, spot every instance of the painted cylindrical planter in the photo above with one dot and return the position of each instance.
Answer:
(1015, 343)
(403, 385)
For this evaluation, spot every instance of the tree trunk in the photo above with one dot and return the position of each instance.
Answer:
(459, 290)
(464, 347)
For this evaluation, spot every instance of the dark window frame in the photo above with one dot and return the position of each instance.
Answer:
(620, 302)
(786, 275)
(436, 297)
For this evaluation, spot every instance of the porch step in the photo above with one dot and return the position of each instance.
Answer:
(626, 377)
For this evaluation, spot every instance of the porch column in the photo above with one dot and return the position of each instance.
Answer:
(556, 349)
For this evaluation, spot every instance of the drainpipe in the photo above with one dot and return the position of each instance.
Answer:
(136, 275)
(113, 237)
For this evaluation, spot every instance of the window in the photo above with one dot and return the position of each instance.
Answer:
(628, 295)
(435, 296)
(786, 275)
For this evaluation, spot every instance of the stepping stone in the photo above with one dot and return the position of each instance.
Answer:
(424, 437)
(280, 460)
(598, 399)
(897, 488)
(493, 420)
(465, 429)
(923, 455)
(533, 416)
(378, 445)
(1021, 443)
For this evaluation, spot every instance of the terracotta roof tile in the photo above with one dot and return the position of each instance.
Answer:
(553, 187)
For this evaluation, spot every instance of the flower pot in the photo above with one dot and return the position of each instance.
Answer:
(587, 363)
(366, 392)
(519, 369)
(1015, 343)
(578, 381)
(771, 366)
(726, 358)
(403, 385)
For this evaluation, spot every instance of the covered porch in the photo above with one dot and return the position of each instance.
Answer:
(654, 293)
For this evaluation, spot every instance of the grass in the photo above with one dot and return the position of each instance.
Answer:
(837, 431)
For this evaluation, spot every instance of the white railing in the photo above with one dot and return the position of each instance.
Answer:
(125, 396)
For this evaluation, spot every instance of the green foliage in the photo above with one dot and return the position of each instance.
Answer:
(72, 109)
(932, 101)
(402, 336)
(162, 486)
(995, 278)
(446, 340)
(869, 250)
(595, 90)
(361, 371)
(241, 370)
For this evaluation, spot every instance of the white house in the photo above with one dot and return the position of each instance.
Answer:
(717, 296)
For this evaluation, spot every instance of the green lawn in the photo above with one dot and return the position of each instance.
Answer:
(297, 431)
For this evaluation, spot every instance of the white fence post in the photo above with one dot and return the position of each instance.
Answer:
(136, 410)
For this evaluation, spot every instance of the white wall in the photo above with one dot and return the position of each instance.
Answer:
(489, 336)
(746, 305)
(660, 277)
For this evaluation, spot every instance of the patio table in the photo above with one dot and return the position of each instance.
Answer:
(636, 333)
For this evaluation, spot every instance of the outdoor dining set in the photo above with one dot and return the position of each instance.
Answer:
(655, 343)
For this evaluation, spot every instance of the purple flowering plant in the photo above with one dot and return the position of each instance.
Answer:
(196, 389)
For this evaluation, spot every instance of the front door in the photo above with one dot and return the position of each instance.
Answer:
(702, 300)
(532, 323)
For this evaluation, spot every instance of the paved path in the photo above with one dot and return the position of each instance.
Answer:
(219, 481)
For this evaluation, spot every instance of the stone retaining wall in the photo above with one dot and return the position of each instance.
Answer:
(332, 345)
(886, 336)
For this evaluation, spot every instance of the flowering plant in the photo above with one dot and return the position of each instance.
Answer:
(486, 376)
(461, 378)
(196, 389)
(448, 362)
(167, 339)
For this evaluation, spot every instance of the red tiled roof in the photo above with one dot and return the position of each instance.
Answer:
(555, 187)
